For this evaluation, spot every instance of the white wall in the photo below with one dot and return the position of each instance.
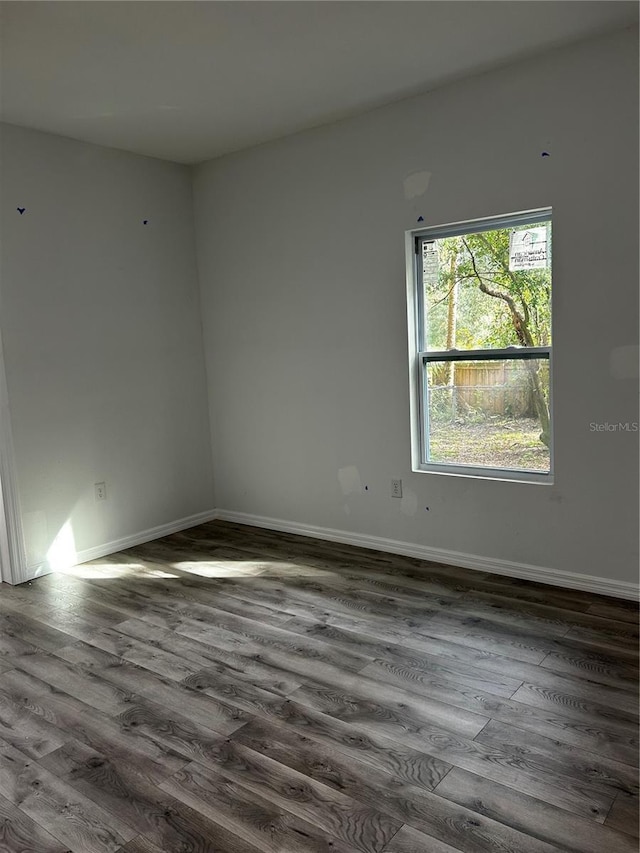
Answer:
(302, 269)
(102, 337)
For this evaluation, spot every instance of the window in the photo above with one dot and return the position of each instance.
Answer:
(480, 347)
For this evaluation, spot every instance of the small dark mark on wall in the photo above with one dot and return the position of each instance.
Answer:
(21, 210)
(145, 221)
(366, 488)
(427, 508)
(421, 219)
(545, 154)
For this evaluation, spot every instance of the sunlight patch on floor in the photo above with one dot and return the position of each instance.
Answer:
(97, 571)
(247, 568)
(221, 569)
(92, 571)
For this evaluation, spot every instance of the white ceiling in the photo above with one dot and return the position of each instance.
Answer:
(187, 81)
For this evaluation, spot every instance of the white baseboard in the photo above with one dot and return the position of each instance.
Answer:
(145, 536)
(526, 571)
(39, 569)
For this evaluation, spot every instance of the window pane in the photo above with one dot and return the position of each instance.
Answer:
(489, 413)
(491, 289)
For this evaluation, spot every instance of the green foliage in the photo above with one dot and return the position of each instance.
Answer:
(483, 319)
(474, 301)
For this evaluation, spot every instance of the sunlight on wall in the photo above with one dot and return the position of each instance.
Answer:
(62, 552)
(62, 557)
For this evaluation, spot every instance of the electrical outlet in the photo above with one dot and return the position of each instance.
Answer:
(396, 488)
(101, 491)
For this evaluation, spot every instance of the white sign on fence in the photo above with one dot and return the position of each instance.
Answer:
(528, 249)
(430, 267)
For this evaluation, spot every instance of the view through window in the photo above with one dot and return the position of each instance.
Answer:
(484, 340)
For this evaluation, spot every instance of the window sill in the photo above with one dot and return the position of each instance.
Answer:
(499, 476)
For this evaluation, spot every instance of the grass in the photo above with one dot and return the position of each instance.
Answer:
(496, 442)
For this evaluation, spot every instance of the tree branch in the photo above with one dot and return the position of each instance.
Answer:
(446, 296)
(524, 336)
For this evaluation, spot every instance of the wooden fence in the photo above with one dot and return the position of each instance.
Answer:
(492, 387)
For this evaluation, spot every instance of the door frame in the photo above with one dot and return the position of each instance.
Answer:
(13, 558)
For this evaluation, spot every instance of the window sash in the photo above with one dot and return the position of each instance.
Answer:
(491, 223)
(429, 235)
(462, 468)
(509, 353)
(420, 358)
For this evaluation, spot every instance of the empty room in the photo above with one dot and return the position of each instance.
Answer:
(319, 484)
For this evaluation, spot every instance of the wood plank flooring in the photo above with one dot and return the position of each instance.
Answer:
(235, 690)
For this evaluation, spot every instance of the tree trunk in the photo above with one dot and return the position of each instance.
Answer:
(521, 326)
(452, 312)
(539, 402)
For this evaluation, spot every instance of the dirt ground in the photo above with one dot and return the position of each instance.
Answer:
(502, 443)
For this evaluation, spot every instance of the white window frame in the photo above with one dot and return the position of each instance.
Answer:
(419, 358)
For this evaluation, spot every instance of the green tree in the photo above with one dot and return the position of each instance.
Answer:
(477, 302)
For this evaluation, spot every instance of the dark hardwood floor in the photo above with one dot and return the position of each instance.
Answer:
(236, 690)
